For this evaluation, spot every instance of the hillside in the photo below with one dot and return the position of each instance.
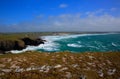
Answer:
(63, 65)
(18, 41)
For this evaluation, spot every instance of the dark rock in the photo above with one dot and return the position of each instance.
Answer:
(19, 45)
(2, 52)
(34, 42)
(7, 45)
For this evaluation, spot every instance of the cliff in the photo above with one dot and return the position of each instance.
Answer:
(18, 44)
(34, 42)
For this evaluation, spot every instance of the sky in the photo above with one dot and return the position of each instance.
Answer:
(59, 15)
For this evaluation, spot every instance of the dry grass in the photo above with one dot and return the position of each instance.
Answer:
(16, 36)
(64, 65)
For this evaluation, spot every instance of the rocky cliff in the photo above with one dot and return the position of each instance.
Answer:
(34, 42)
(7, 45)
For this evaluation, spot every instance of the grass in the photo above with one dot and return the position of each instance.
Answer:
(16, 36)
(63, 65)
(12, 36)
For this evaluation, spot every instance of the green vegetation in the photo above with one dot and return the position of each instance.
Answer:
(12, 36)
(18, 41)
(63, 65)
(16, 36)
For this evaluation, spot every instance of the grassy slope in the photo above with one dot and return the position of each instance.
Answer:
(64, 65)
(57, 65)
(16, 36)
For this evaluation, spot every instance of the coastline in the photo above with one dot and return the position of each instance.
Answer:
(54, 43)
(10, 42)
(60, 65)
(32, 42)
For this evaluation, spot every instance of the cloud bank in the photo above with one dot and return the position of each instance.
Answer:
(89, 21)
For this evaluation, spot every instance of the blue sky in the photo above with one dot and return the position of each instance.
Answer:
(21, 15)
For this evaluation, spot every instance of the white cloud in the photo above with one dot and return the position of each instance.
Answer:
(113, 9)
(63, 5)
(75, 22)
(71, 22)
(98, 12)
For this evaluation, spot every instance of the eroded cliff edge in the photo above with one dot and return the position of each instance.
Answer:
(18, 44)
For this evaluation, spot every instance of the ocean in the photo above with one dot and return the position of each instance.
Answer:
(76, 43)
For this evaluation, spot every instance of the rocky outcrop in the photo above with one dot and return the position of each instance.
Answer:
(7, 45)
(34, 42)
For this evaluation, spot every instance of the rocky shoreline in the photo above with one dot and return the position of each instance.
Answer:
(19, 44)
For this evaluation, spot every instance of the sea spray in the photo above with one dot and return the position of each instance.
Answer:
(78, 43)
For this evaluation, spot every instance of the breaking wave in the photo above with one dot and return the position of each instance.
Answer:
(74, 45)
(79, 43)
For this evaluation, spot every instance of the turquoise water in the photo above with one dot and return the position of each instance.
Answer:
(83, 43)
(78, 43)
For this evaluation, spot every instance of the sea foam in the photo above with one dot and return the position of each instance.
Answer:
(74, 45)
(51, 45)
